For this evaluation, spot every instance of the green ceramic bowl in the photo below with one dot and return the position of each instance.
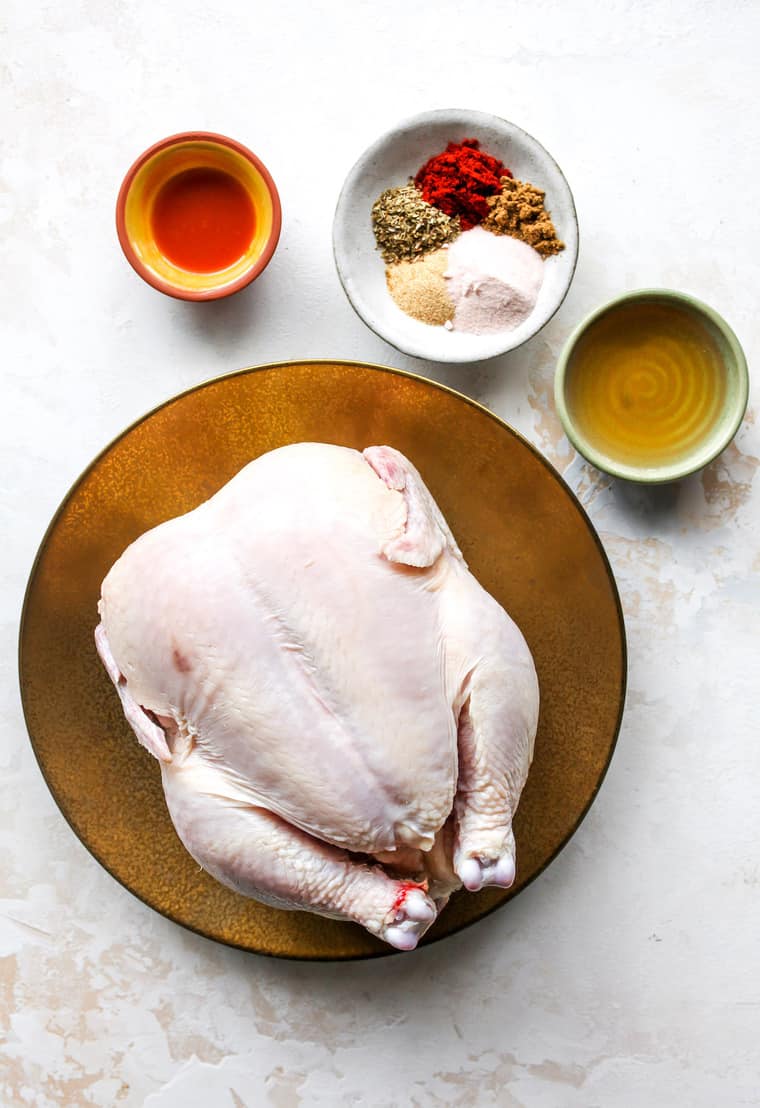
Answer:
(717, 435)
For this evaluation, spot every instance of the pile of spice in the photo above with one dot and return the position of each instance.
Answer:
(419, 288)
(464, 242)
(493, 281)
(518, 210)
(406, 226)
(460, 180)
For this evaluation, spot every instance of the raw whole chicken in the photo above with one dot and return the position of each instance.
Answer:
(343, 716)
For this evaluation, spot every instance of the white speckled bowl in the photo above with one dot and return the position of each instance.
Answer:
(391, 161)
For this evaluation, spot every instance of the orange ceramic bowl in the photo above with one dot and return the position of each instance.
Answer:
(155, 168)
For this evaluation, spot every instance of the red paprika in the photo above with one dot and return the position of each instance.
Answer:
(459, 181)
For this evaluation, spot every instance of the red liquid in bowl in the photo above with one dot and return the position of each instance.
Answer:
(203, 220)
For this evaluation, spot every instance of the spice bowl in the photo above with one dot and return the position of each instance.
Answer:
(652, 386)
(198, 216)
(392, 161)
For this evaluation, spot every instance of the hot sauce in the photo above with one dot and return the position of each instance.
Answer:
(203, 220)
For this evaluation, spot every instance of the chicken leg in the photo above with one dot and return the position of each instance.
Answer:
(258, 854)
(491, 667)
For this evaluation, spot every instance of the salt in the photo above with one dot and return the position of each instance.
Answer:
(493, 281)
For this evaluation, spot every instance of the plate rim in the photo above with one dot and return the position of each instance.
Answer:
(351, 363)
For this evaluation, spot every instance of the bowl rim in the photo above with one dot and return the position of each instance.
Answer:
(167, 287)
(653, 475)
(431, 116)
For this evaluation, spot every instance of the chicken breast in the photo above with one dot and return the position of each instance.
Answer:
(344, 718)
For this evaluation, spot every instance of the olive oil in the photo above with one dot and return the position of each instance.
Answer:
(646, 383)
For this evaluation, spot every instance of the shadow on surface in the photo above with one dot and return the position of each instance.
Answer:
(707, 498)
(407, 982)
(215, 321)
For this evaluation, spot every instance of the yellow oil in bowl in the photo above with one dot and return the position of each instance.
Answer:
(650, 385)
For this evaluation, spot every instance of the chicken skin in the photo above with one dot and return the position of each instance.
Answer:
(343, 716)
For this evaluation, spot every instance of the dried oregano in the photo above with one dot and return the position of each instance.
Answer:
(406, 226)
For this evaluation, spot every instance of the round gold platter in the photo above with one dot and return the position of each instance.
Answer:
(520, 528)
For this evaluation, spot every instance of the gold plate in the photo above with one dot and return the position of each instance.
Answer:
(522, 531)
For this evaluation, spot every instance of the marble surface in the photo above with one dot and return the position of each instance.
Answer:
(628, 973)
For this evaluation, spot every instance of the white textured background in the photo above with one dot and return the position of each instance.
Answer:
(627, 974)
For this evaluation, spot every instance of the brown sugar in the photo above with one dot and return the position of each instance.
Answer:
(420, 290)
(518, 210)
